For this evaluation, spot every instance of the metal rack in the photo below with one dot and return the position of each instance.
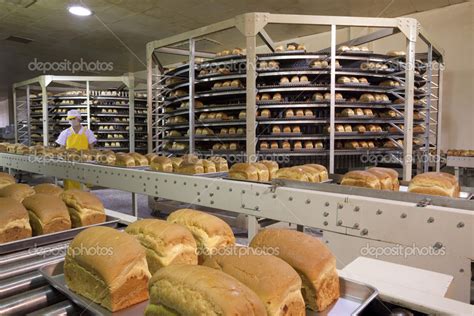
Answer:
(253, 26)
(41, 104)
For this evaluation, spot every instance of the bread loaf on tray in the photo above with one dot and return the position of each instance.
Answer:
(84, 208)
(14, 221)
(48, 214)
(17, 191)
(48, 188)
(6, 179)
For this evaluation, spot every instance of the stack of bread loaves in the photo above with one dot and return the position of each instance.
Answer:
(373, 178)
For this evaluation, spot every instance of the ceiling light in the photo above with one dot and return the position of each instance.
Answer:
(79, 10)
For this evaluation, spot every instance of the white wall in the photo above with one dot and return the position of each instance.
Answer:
(4, 119)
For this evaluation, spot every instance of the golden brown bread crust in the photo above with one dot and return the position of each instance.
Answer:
(165, 243)
(384, 178)
(140, 160)
(124, 160)
(209, 231)
(48, 188)
(209, 166)
(151, 157)
(190, 168)
(84, 208)
(17, 191)
(243, 171)
(312, 174)
(14, 221)
(221, 164)
(6, 179)
(392, 173)
(313, 261)
(279, 287)
(214, 292)
(163, 164)
(272, 167)
(358, 178)
(262, 172)
(108, 267)
(435, 183)
(48, 214)
(323, 172)
(291, 174)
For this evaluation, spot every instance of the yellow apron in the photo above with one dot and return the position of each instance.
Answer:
(79, 142)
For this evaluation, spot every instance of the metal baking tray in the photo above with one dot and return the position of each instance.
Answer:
(41, 240)
(54, 274)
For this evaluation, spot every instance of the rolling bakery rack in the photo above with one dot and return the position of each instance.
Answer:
(110, 106)
(195, 111)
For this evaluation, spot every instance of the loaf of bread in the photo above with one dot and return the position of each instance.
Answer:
(6, 179)
(265, 113)
(187, 167)
(264, 145)
(317, 97)
(359, 178)
(289, 113)
(343, 79)
(347, 128)
(395, 184)
(347, 112)
(297, 144)
(279, 287)
(308, 144)
(286, 144)
(313, 261)
(277, 97)
(220, 164)
(49, 189)
(286, 129)
(284, 80)
(367, 97)
(243, 171)
(17, 191)
(165, 243)
(296, 129)
(359, 112)
(106, 158)
(48, 214)
(14, 221)
(84, 208)
(117, 277)
(209, 166)
(163, 164)
(209, 231)
(262, 172)
(360, 128)
(323, 172)
(274, 145)
(272, 167)
(124, 160)
(292, 173)
(435, 183)
(140, 160)
(213, 292)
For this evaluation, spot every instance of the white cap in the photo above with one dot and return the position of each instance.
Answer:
(72, 114)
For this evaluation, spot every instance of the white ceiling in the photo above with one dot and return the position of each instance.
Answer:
(119, 29)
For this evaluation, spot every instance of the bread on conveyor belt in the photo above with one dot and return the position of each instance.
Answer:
(124, 160)
(17, 191)
(435, 183)
(115, 278)
(359, 178)
(220, 164)
(278, 287)
(262, 172)
(209, 166)
(84, 208)
(272, 167)
(47, 213)
(107, 158)
(162, 164)
(313, 261)
(165, 243)
(151, 157)
(176, 161)
(244, 171)
(209, 231)
(187, 167)
(323, 172)
(6, 179)
(391, 172)
(14, 221)
(213, 292)
(48, 188)
(140, 160)
(292, 174)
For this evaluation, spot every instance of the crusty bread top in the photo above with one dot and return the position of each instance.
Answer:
(227, 295)
(6, 178)
(386, 181)
(212, 225)
(270, 277)
(439, 179)
(151, 157)
(78, 200)
(17, 191)
(161, 235)
(140, 160)
(323, 172)
(304, 253)
(160, 160)
(106, 252)
(292, 174)
(125, 159)
(271, 165)
(393, 173)
(242, 170)
(361, 179)
(46, 207)
(48, 188)
(11, 210)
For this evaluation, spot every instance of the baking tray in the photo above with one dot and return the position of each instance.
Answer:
(54, 274)
(353, 299)
(41, 240)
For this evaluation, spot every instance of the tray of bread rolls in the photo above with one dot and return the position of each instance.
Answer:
(41, 240)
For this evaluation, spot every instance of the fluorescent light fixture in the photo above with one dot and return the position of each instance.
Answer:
(79, 10)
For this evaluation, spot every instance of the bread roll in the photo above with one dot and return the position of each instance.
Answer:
(292, 174)
(14, 221)
(262, 172)
(279, 287)
(243, 171)
(124, 160)
(209, 231)
(310, 258)
(17, 191)
(363, 179)
(163, 164)
(48, 214)
(165, 243)
(108, 267)
(6, 179)
(190, 168)
(391, 172)
(435, 183)
(213, 293)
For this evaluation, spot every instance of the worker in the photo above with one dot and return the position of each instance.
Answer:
(75, 137)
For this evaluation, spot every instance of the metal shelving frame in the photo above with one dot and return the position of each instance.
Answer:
(21, 109)
(252, 25)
